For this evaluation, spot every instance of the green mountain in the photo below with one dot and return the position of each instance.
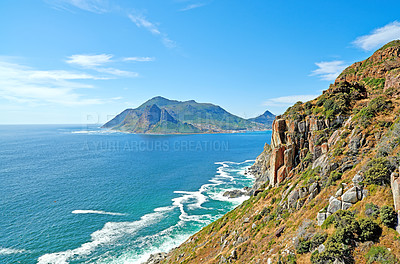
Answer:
(161, 115)
(267, 118)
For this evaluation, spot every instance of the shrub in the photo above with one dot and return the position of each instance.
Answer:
(380, 255)
(333, 251)
(334, 176)
(304, 247)
(370, 231)
(388, 216)
(378, 171)
(371, 210)
(318, 239)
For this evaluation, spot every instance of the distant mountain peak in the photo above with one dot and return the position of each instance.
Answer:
(162, 115)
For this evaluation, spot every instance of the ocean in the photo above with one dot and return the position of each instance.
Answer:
(76, 194)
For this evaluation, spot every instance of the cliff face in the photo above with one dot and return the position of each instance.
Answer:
(327, 189)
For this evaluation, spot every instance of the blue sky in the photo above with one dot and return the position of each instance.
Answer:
(83, 61)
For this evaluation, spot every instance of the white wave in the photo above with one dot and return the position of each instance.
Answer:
(93, 132)
(95, 212)
(11, 251)
(110, 233)
(167, 239)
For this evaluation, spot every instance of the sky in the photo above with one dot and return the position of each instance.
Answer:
(84, 61)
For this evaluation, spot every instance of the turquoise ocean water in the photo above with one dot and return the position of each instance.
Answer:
(73, 194)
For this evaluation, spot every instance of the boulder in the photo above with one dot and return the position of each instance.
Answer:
(279, 232)
(234, 194)
(346, 206)
(357, 179)
(292, 198)
(321, 217)
(321, 248)
(156, 258)
(339, 192)
(334, 205)
(353, 195)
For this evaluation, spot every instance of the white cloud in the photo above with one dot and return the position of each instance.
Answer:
(379, 37)
(94, 6)
(192, 6)
(139, 59)
(117, 72)
(289, 100)
(23, 84)
(94, 62)
(329, 70)
(89, 61)
(142, 22)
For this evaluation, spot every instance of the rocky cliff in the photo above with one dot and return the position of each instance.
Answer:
(327, 189)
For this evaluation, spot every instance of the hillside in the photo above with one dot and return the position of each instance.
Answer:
(184, 117)
(266, 118)
(327, 188)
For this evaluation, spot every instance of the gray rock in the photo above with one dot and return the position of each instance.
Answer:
(346, 206)
(339, 192)
(292, 198)
(355, 143)
(321, 217)
(321, 248)
(233, 254)
(234, 194)
(246, 220)
(253, 225)
(303, 192)
(156, 258)
(357, 179)
(352, 195)
(334, 205)
(313, 187)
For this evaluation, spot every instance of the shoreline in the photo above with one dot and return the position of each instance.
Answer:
(181, 134)
(156, 258)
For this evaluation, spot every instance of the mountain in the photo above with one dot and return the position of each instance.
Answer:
(181, 117)
(267, 118)
(327, 188)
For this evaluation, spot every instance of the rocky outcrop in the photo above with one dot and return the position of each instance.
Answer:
(292, 141)
(395, 184)
(234, 194)
(377, 66)
(344, 198)
(156, 258)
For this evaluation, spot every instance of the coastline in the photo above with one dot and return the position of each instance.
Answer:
(181, 134)
(158, 257)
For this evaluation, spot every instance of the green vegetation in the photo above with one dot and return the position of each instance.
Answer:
(388, 216)
(348, 230)
(374, 84)
(375, 106)
(378, 171)
(380, 255)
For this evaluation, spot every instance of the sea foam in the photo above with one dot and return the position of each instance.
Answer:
(95, 212)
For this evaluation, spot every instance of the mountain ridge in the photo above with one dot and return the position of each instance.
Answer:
(191, 117)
